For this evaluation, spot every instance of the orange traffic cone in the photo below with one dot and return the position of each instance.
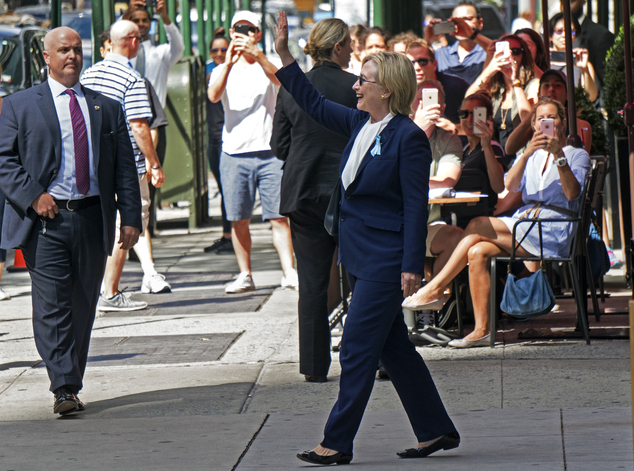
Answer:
(18, 262)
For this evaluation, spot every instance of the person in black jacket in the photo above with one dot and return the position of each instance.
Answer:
(312, 156)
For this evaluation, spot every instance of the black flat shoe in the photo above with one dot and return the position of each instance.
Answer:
(65, 401)
(446, 442)
(315, 379)
(312, 457)
(80, 405)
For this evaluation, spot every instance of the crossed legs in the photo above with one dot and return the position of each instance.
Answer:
(484, 237)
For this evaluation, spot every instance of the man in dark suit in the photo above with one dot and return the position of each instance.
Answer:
(596, 38)
(312, 156)
(64, 155)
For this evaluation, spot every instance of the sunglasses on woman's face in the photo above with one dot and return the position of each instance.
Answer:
(363, 80)
(561, 32)
(517, 51)
(422, 62)
(464, 114)
(216, 49)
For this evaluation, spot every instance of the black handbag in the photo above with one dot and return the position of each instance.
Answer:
(331, 219)
(528, 297)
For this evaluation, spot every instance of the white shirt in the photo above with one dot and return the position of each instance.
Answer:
(249, 104)
(64, 186)
(160, 59)
(367, 137)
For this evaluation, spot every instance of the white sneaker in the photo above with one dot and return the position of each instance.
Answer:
(4, 296)
(290, 280)
(155, 284)
(241, 284)
(119, 302)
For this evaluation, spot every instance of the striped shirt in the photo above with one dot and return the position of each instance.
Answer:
(115, 78)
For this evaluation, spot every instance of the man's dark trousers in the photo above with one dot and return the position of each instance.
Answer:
(314, 250)
(66, 263)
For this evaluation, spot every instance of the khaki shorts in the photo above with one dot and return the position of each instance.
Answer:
(145, 206)
(432, 231)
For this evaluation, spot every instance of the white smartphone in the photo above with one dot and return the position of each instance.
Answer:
(444, 28)
(547, 126)
(479, 116)
(430, 97)
(503, 46)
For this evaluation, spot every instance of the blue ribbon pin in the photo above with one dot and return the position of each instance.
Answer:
(377, 147)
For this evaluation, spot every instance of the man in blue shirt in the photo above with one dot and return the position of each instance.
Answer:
(465, 58)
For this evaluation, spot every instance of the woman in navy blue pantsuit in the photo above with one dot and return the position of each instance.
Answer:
(382, 231)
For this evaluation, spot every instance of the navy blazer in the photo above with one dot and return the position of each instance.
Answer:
(31, 155)
(383, 215)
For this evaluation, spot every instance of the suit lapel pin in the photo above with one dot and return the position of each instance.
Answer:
(97, 107)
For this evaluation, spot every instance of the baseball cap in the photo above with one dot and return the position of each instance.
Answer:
(245, 15)
(558, 73)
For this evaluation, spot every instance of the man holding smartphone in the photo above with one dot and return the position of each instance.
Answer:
(466, 57)
(247, 86)
(426, 68)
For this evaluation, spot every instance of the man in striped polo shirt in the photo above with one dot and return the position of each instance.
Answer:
(115, 78)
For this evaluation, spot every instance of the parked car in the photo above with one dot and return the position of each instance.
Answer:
(21, 57)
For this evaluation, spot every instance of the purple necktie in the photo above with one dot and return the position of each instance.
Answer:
(82, 174)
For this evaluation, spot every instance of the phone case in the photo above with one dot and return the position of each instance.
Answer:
(503, 46)
(479, 115)
(547, 126)
(430, 97)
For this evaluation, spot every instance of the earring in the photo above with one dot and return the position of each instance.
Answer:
(382, 97)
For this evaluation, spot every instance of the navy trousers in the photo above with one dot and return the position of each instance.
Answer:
(314, 250)
(66, 263)
(375, 330)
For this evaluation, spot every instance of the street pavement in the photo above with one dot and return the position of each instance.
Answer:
(201, 380)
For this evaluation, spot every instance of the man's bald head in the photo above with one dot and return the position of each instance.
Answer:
(122, 29)
(54, 35)
(63, 55)
(125, 38)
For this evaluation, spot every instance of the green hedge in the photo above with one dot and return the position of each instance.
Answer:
(614, 87)
(587, 111)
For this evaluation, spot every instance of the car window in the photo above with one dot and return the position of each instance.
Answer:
(36, 48)
(11, 60)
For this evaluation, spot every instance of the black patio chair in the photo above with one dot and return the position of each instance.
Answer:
(577, 260)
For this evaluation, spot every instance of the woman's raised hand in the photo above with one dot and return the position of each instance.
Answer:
(281, 40)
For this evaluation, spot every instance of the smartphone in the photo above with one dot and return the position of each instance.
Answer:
(479, 116)
(503, 46)
(547, 126)
(430, 97)
(558, 56)
(444, 28)
(242, 29)
(151, 4)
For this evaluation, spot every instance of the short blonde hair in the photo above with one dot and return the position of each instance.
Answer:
(396, 73)
(324, 36)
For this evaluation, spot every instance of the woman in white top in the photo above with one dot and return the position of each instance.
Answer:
(548, 172)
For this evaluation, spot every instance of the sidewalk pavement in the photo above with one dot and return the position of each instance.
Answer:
(201, 380)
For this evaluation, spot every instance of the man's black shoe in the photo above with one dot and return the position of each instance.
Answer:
(65, 401)
(80, 405)
(223, 244)
(315, 379)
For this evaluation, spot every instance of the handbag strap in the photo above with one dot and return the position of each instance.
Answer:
(538, 207)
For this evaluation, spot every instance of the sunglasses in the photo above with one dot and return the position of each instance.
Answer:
(517, 51)
(422, 62)
(362, 81)
(216, 49)
(464, 114)
(561, 32)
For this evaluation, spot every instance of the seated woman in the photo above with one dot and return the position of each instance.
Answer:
(583, 69)
(535, 44)
(483, 154)
(512, 85)
(548, 173)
